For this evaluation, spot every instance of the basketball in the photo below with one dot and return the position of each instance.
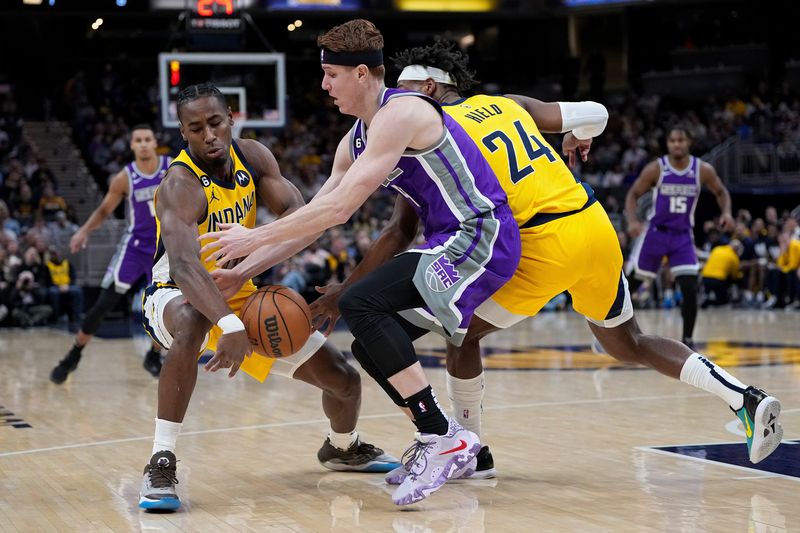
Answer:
(277, 320)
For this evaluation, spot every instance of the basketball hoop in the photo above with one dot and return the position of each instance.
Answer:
(239, 120)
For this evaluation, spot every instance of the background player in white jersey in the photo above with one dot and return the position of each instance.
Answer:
(132, 264)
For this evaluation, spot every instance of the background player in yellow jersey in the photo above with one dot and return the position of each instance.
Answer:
(568, 243)
(788, 263)
(721, 268)
(215, 180)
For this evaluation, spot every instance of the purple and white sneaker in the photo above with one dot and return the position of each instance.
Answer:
(434, 460)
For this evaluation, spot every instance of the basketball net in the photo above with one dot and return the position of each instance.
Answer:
(239, 119)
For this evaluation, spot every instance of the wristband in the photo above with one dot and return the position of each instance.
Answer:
(585, 119)
(230, 324)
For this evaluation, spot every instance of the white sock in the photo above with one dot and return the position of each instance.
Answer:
(343, 441)
(166, 435)
(699, 372)
(466, 397)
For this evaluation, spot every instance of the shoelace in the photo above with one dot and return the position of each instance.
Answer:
(361, 453)
(414, 453)
(365, 448)
(162, 476)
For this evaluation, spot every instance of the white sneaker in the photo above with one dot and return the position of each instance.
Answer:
(481, 467)
(158, 483)
(436, 458)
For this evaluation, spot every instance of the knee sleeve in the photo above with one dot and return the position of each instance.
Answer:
(357, 310)
(105, 303)
(360, 355)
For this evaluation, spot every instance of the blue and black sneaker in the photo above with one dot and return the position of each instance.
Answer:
(360, 457)
(759, 415)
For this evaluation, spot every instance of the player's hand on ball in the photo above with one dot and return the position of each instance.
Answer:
(231, 242)
(228, 282)
(231, 351)
(326, 307)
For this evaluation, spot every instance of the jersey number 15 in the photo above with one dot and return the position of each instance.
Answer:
(677, 204)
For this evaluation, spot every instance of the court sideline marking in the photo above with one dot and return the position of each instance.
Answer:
(365, 417)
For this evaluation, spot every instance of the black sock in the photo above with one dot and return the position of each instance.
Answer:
(76, 350)
(428, 416)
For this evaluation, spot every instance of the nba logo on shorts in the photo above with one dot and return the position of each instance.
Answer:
(422, 407)
(441, 274)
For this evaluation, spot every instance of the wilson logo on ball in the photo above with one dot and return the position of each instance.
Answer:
(277, 320)
(273, 335)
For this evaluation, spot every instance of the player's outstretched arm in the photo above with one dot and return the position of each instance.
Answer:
(117, 190)
(180, 204)
(585, 119)
(283, 198)
(582, 121)
(645, 182)
(396, 237)
(391, 132)
(710, 179)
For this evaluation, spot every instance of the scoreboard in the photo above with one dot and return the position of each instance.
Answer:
(208, 8)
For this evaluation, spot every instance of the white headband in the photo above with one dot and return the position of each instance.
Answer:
(422, 73)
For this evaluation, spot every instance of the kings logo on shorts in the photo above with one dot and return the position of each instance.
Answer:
(441, 274)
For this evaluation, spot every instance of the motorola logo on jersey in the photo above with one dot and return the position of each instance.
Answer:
(242, 178)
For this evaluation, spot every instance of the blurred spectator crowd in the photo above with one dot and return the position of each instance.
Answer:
(38, 283)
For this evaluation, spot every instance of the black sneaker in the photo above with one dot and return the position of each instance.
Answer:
(152, 362)
(65, 366)
(759, 415)
(360, 457)
(158, 483)
(484, 466)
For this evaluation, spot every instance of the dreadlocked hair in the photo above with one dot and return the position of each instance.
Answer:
(443, 55)
(200, 90)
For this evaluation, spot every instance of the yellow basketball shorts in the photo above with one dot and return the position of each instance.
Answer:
(578, 253)
(156, 298)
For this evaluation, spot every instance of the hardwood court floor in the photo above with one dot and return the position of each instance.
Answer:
(570, 434)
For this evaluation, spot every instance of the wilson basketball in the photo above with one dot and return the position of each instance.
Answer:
(277, 320)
